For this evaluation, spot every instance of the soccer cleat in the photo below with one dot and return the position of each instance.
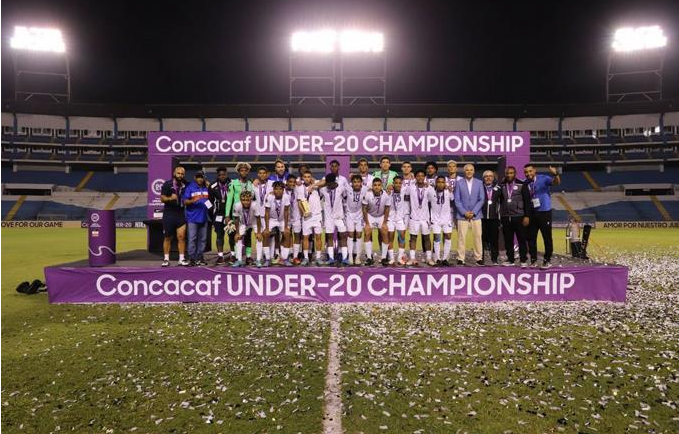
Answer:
(319, 263)
(369, 262)
(237, 264)
(438, 262)
(305, 262)
(384, 262)
(445, 263)
(357, 261)
(524, 265)
(287, 263)
(296, 261)
(192, 263)
(330, 263)
(412, 263)
(480, 263)
(403, 261)
(546, 265)
(460, 262)
(346, 262)
(184, 263)
(201, 263)
(220, 260)
(267, 263)
(349, 260)
(509, 264)
(165, 263)
(431, 263)
(258, 264)
(533, 264)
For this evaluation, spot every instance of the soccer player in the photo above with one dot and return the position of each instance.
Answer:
(514, 209)
(385, 174)
(453, 178)
(309, 203)
(431, 172)
(218, 193)
(355, 223)
(440, 206)
(407, 175)
(295, 221)
(540, 212)
(197, 206)
(366, 178)
(174, 220)
(469, 200)
(262, 189)
(246, 219)
(277, 216)
(334, 195)
(419, 196)
(376, 204)
(236, 187)
(490, 219)
(398, 221)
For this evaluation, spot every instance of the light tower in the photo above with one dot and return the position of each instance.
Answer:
(41, 66)
(635, 63)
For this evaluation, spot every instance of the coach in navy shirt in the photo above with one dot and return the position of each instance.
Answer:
(196, 199)
(540, 214)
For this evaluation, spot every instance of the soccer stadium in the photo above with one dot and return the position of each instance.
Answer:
(186, 265)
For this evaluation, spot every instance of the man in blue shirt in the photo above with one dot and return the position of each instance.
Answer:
(196, 199)
(540, 214)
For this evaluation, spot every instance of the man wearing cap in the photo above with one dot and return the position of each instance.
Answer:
(174, 220)
(196, 199)
(218, 193)
(236, 187)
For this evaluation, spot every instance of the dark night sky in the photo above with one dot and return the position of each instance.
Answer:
(439, 52)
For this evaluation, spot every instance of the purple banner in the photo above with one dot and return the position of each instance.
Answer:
(476, 284)
(101, 235)
(339, 143)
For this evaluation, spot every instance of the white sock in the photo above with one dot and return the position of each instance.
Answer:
(390, 254)
(437, 249)
(272, 248)
(220, 254)
(318, 255)
(166, 256)
(412, 255)
(267, 253)
(385, 247)
(446, 249)
(285, 252)
(368, 249)
(260, 250)
(181, 256)
(306, 254)
(345, 253)
(428, 255)
(331, 253)
(239, 251)
(350, 247)
(295, 250)
(357, 247)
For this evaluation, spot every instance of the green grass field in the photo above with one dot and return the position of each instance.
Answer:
(490, 368)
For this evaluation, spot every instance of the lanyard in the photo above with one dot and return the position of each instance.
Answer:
(420, 195)
(531, 188)
(262, 193)
(332, 194)
(278, 203)
(384, 178)
(396, 200)
(246, 216)
(222, 189)
(510, 188)
(489, 192)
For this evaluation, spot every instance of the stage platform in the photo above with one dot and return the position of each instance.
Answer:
(138, 278)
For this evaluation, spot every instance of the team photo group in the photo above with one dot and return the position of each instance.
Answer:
(281, 218)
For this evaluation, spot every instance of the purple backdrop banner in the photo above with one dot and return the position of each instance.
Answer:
(163, 145)
(128, 285)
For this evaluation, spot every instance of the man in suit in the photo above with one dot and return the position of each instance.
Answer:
(469, 199)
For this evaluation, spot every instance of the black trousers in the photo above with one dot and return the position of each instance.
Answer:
(219, 231)
(540, 221)
(490, 232)
(513, 226)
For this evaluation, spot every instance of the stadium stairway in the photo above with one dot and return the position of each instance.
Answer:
(15, 208)
(665, 214)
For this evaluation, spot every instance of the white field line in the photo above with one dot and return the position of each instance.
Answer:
(332, 413)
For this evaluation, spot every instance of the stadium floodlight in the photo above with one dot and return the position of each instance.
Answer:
(38, 39)
(317, 41)
(353, 41)
(638, 38)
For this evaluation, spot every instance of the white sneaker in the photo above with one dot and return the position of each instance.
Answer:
(507, 264)
(546, 265)
(351, 260)
(183, 263)
(523, 265)
(358, 261)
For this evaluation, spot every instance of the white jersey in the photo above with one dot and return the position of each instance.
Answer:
(261, 192)
(367, 180)
(431, 181)
(295, 215)
(313, 198)
(419, 198)
(333, 201)
(440, 206)
(400, 207)
(406, 183)
(376, 204)
(354, 201)
(452, 182)
(246, 217)
(277, 207)
(342, 181)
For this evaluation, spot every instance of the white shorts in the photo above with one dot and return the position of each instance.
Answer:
(296, 226)
(417, 227)
(332, 224)
(276, 224)
(399, 225)
(312, 225)
(445, 227)
(375, 222)
(355, 222)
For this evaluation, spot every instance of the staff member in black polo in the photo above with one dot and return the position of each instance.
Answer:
(218, 194)
(174, 220)
(514, 209)
(490, 218)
